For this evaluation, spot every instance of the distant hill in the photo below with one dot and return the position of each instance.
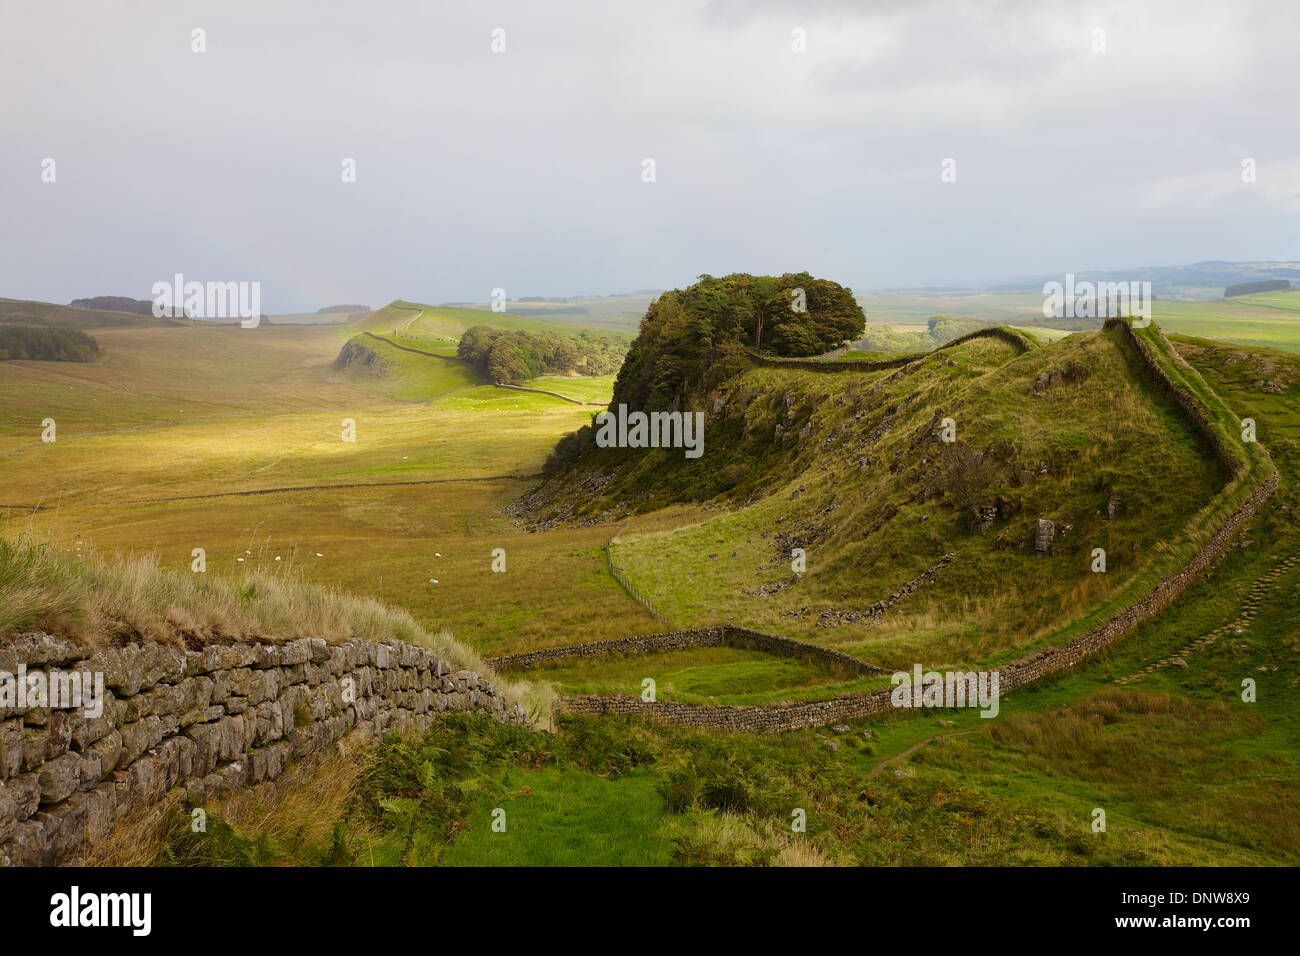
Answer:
(403, 373)
(451, 322)
(1197, 280)
(621, 312)
(343, 308)
(547, 310)
(22, 312)
(321, 317)
(115, 303)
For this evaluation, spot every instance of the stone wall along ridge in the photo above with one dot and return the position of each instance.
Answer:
(1026, 670)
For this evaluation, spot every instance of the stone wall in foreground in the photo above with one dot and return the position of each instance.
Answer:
(213, 721)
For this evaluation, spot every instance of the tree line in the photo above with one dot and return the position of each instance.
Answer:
(115, 303)
(509, 357)
(38, 343)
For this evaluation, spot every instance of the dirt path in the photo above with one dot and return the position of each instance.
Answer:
(915, 747)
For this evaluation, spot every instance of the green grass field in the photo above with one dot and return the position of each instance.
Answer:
(405, 375)
(1265, 319)
(161, 442)
(418, 319)
(614, 313)
(596, 388)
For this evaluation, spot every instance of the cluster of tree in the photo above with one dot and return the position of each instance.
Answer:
(691, 339)
(115, 303)
(46, 344)
(1263, 285)
(508, 358)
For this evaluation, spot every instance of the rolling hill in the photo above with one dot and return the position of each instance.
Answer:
(22, 312)
(850, 467)
(402, 372)
(917, 550)
(448, 322)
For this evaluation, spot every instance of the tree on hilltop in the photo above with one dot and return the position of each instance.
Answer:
(691, 339)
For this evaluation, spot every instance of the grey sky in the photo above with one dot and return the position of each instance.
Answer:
(522, 170)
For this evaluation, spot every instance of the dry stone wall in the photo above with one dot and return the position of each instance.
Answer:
(1154, 372)
(213, 721)
(1045, 663)
(840, 364)
(1035, 666)
(542, 391)
(715, 636)
(755, 719)
(408, 348)
(850, 364)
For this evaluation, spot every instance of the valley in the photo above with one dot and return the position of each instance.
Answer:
(231, 440)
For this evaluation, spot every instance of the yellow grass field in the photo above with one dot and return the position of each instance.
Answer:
(156, 455)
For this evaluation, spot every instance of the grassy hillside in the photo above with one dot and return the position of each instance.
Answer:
(174, 439)
(229, 439)
(857, 477)
(448, 322)
(598, 389)
(1187, 773)
(149, 376)
(21, 312)
(377, 363)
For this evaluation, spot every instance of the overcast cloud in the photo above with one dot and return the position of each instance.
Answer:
(522, 169)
